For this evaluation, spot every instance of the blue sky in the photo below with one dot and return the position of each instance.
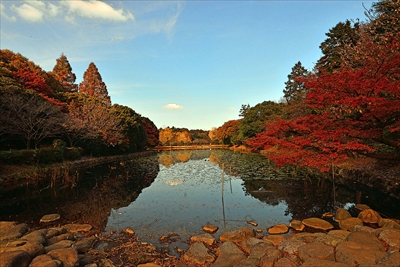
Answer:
(180, 63)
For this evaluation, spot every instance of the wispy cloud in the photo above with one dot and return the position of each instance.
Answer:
(94, 9)
(173, 106)
(4, 15)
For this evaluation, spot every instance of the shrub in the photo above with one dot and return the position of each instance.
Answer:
(50, 155)
(72, 153)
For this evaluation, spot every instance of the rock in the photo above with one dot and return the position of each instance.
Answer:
(36, 237)
(388, 223)
(85, 244)
(391, 237)
(85, 259)
(349, 224)
(33, 249)
(313, 262)
(316, 250)
(247, 244)
(260, 249)
(285, 262)
(129, 231)
(291, 246)
(68, 256)
(361, 207)
(61, 244)
(278, 229)
(50, 218)
(342, 214)
(297, 225)
(369, 216)
(305, 237)
(238, 235)
(350, 252)
(198, 254)
(45, 261)
(12, 231)
(342, 234)
(275, 239)
(270, 257)
(317, 223)
(328, 215)
(330, 240)
(205, 238)
(209, 228)
(228, 255)
(54, 231)
(393, 260)
(149, 265)
(252, 223)
(58, 238)
(73, 228)
(17, 258)
(367, 239)
(362, 228)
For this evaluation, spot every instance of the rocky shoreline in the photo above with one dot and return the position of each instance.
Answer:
(365, 240)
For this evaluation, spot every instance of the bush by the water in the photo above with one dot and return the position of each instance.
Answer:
(42, 156)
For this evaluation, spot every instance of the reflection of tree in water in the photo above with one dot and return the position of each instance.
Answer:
(166, 159)
(98, 190)
(303, 197)
(169, 158)
(184, 156)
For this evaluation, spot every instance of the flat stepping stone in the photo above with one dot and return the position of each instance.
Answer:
(209, 228)
(297, 225)
(50, 218)
(278, 229)
(238, 235)
(73, 228)
(205, 238)
(317, 223)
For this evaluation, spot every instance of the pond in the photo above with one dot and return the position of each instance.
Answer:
(180, 191)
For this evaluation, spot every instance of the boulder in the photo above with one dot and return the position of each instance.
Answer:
(68, 256)
(228, 255)
(270, 257)
(18, 258)
(316, 250)
(198, 254)
(58, 238)
(391, 237)
(61, 244)
(342, 214)
(313, 262)
(238, 235)
(33, 249)
(366, 239)
(85, 244)
(285, 262)
(278, 229)
(12, 230)
(388, 223)
(274, 239)
(297, 225)
(35, 236)
(205, 238)
(291, 246)
(247, 244)
(349, 224)
(317, 223)
(342, 234)
(369, 216)
(350, 253)
(45, 261)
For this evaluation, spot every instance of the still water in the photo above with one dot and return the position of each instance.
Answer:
(179, 192)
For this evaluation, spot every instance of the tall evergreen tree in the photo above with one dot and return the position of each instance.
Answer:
(93, 84)
(62, 72)
(339, 37)
(295, 91)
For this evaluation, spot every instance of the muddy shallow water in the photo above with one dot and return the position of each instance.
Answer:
(179, 192)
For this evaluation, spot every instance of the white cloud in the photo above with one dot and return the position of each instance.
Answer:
(4, 15)
(173, 106)
(28, 12)
(94, 9)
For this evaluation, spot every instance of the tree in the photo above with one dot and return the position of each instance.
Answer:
(62, 72)
(341, 36)
(167, 136)
(90, 119)
(131, 125)
(93, 84)
(227, 131)
(31, 117)
(151, 132)
(294, 90)
(183, 137)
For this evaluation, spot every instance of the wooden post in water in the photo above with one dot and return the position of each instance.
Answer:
(223, 204)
